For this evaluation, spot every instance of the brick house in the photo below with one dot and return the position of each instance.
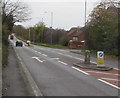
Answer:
(76, 37)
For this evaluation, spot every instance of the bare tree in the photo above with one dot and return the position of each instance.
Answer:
(15, 9)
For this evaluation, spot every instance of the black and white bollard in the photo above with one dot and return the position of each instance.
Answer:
(87, 57)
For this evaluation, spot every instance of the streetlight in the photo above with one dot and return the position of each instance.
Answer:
(29, 33)
(51, 24)
(85, 12)
(42, 28)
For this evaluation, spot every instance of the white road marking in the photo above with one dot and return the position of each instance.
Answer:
(53, 59)
(63, 62)
(111, 79)
(103, 73)
(78, 58)
(109, 83)
(44, 54)
(39, 52)
(61, 50)
(80, 70)
(59, 53)
(35, 51)
(93, 62)
(37, 58)
(69, 55)
(116, 68)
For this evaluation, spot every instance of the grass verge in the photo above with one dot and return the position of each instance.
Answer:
(46, 45)
(52, 45)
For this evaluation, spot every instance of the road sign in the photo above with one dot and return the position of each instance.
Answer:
(100, 59)
(100, 54)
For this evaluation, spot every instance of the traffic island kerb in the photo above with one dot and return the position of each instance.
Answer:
(92, 66)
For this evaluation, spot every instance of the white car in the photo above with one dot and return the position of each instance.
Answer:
(28, 42)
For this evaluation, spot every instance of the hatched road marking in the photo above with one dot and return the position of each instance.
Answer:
(102, 76)
(102, 73)
(109, 83)
(80, 70)
(110, 79)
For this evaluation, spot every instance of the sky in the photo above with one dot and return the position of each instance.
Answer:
(66, 13)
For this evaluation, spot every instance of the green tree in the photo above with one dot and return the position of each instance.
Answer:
(39, 31)
(63, 41)
(103, 29)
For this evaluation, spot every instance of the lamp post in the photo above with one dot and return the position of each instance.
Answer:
(51, 25)
(42, 28)
(29, 33)
(85, 12)
(42, 32)
(85, 24)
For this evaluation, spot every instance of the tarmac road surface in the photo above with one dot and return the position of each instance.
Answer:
(53, 72)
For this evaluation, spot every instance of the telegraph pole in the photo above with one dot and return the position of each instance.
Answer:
(85, 24)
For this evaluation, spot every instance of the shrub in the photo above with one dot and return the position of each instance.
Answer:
(63, 41)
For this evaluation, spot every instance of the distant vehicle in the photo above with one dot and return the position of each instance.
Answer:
(19, 43)
(28, 42)
(11, 37)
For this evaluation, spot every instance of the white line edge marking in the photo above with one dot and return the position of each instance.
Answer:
(108, 83)
(62, 62)
(110, 79)
(80, 70)
(102, 73)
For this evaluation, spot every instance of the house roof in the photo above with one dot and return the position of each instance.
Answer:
(72, 31)
(76, 31)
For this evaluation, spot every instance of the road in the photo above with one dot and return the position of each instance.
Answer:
(53, 72)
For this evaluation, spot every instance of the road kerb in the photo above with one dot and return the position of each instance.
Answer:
(36, 91)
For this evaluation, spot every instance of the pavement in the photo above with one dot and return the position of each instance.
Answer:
(54, 74)
(0, 71)
(13, 79)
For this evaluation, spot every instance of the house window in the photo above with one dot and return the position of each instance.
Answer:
(75, 38)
